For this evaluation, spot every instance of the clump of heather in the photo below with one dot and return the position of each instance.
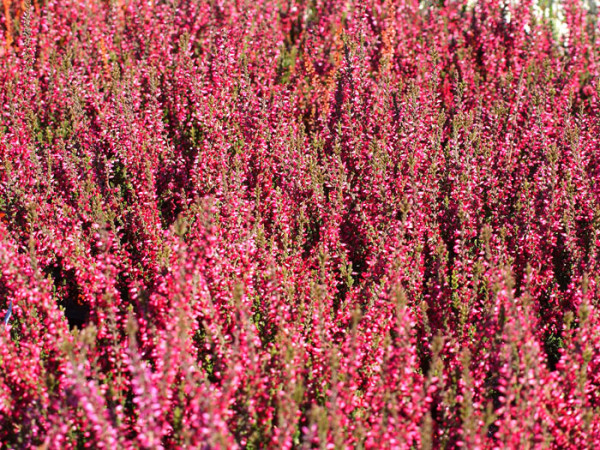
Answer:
(298, 224)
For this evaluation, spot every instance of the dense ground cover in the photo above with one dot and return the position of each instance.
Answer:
(302, 223)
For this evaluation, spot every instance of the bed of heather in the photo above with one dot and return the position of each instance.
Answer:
(299, 224)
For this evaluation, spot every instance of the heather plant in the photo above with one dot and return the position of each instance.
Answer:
(299, 224)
